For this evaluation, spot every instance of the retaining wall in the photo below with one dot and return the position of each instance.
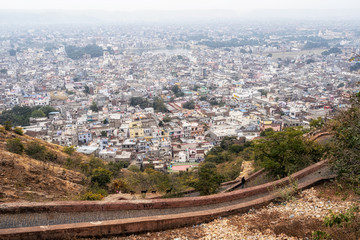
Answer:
(86, 206)
(136, 225)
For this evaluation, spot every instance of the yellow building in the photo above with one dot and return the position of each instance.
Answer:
(136, 130)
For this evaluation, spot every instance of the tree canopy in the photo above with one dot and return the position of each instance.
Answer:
(283, 153)
(344, 148)
(142, 102)
(189, 105)
(75, 52)
(21, 115)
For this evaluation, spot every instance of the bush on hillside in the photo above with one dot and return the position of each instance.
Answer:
(15, 145)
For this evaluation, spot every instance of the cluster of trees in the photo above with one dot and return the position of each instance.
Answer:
(334, 50)
(21, 115)
(344, 148)
(320, 43)
(139, 101)
(75, 52)
(157, 103)
(283, 153)
(234, 42)
(94, 107)
(355, 67)
(189, 105)
(177, 91)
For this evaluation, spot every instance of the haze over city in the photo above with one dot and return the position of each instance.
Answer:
(200, 119)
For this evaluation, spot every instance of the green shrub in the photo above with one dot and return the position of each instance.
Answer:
(15, 145)
(8, 125)
(49, 156)
(69, 150)
(101, 177)
(19, 131)
(90, 196)
(35, 150)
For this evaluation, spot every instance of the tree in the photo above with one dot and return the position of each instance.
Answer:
(161, 123)
(142, 102)
(69, 150)
(317, 123)
(3, 71)
(158, 104)
(177, 91)
(37, 114)
(35, 150)
(15, 145)
(8, 125)
(47, 109)
(94, 107)
(208, 179)
(283, 153)
(87, 89)
(265, 132)
(167, 119)
(12, 52)
(189, 105)
(344, 150)
(105, 121)
(19, 131)
(103, 133)
(101, 177)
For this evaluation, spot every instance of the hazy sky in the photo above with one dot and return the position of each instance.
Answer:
(131, 5)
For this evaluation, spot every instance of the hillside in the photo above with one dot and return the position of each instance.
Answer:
(23, 178)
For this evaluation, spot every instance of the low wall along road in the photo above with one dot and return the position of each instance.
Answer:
(57, 220)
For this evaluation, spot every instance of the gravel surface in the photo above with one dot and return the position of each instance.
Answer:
(265, 223)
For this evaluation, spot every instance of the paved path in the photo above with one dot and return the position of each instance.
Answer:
(55, 218)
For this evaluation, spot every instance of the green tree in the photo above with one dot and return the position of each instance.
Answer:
(8, 125)
(94, 107)
(37, 114)
(101, 177)
(189, 105)
(344, 150)
(283, 153)
(167, 119)
(266, 131)
(105, 121)
(35, 150)
(317, 123)
(177, 91)
(142, 102)
(158, 104)
(3, 71)
(103, 133)
(14, 145)
(47, 109)
(208, 179)
(87, 89)
(19, 131)
(69, 150)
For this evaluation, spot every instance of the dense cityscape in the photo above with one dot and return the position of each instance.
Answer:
(167, 94)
